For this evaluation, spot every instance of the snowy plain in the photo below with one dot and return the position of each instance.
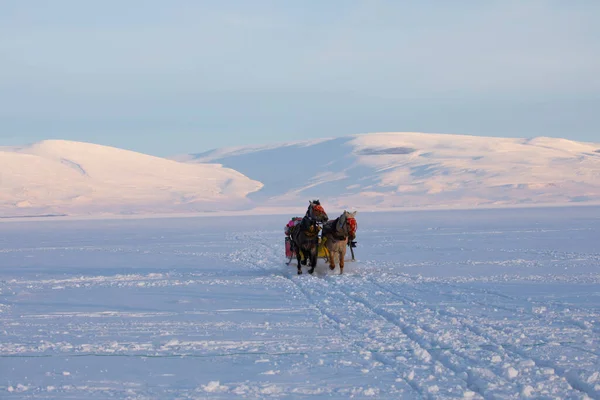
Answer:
(494, 304)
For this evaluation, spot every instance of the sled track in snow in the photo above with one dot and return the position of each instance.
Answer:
(347, 314)
(492, 333)
(219, 314)
(495, 343)
(487, 366)
(313, 298)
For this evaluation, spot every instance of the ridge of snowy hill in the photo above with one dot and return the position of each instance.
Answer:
(407, 169)
(65, 177)
(378, 171)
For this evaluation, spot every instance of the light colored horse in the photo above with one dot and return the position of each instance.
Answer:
(335, 236)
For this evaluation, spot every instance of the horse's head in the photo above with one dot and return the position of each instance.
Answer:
(347, 223)
(316, 212)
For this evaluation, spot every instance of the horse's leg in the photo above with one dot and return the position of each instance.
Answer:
(341, 255)
(331, 258)
(313, 260)
(298, 256)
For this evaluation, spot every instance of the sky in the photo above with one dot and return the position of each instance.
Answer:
(172, 77)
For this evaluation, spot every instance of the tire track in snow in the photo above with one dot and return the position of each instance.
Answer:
(589, 327)
(354, 340)
(570, 376)
(419, 384)
(306, 285)
(474, 381)
(421, 371)
(520, 356)
(471, 380)
(541, 307)
(543, 311)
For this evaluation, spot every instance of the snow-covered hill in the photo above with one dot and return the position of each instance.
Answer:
(367, 172)
(389, 170)
(62, 177)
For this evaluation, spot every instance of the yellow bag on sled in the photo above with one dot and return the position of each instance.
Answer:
(322, 249)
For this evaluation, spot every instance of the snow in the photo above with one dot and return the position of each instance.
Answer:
(214, 386)
(377, 171)
(241, 150)
(63, 177)
(384, 171)
(439, 304)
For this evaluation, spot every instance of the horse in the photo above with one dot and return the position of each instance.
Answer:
(305, 236)
(336, 234)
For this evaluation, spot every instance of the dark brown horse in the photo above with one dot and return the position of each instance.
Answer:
(336, 234)
(305, 236)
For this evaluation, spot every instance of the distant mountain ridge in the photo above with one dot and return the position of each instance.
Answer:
(64, 177)
(407, 169)
(378, 171)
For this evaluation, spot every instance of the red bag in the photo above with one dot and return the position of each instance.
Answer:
(288, 248)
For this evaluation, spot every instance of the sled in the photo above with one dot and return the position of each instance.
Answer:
(290, 253)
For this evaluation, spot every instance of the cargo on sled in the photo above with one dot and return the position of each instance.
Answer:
(322, 252)
(290, 252)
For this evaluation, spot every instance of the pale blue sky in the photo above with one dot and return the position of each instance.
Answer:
(168, 77)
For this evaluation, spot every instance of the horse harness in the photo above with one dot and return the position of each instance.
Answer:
(331, 229)
(309, 226)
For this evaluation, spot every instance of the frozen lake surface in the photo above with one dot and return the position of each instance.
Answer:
(455, 304)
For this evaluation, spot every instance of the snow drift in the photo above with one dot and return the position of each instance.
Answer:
(63, 177)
